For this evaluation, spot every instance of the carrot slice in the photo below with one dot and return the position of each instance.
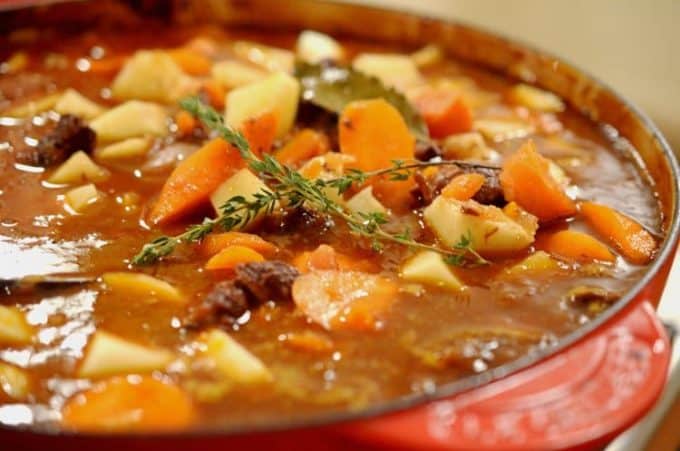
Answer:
(191, 62)
(185, 123)
(215, 93)
(260, 132)
(444, 112)
(344, 299)
(575, 246)
(107, 65)
(309, 341)
(216, 242)
(635, 243)
(304, 145)
(231, 256)
(464, 186)
(374, 132)
(326, 257)
(526, 179)
(136, 403)
(194, 179)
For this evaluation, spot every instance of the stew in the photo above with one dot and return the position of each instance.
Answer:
(218, 228)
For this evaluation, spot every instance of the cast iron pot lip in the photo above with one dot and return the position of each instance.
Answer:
(467, 384)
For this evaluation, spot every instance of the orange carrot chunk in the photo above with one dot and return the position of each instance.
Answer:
(139, 403)
(194, 179)
(215, 93)
(304, 145)
(185, 123)
(231, 256)
(107, 65)
(574, 246)
(374, 132)
(260, 132)
(444, 112)
(464, 187)
(216, 242)
(344, 299)
(191, 62)
(635, 243)
(526, 179)
(309, 341)
(326, 257)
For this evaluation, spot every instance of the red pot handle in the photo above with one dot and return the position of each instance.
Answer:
(580, 398)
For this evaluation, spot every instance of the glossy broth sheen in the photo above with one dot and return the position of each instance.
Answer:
(496, 320)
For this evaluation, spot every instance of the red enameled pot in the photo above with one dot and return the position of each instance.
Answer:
(580, 394)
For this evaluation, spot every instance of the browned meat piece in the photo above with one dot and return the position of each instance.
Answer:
(254, 284)
(428, 188)
(266, 281)
(70, 135)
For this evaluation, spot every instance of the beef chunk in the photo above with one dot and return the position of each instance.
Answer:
(428, 188)
(254, 284)
(70, 135)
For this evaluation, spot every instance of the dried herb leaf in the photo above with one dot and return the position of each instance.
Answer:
(332, 87)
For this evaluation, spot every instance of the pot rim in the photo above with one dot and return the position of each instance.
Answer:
(470, 383)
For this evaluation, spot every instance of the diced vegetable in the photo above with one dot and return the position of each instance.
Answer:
(233, 360)
(195, 179)
(260, 132)
(215, 242)
(375, 134)
(626, 235)
(325, 167)
(15, 329)
(215, 93)
(151, 75)
(233, 255)
(77, 169)
(503, 129)
(309, 341)
(314, 47)
(278, 93)
(130, 119)
(109, 355)
(14, 382)
(140, 285)
(273, 59)
(365, 202)
(344, 299)
(78, 199)
(192, 63)
(185, 123)
(325, 257)
(535, 98)
(428, 267)
(73, 102)
(427, 56)
(243, 183)
(526, 179)
(128, 148)
(491, 231)
(394, 70)
(233, 74)
(444, 112)
(465, 146)
(464, 186)
(15, 63)
(538, 261)
(304, 145)
(107, 65)
(574, 246)
(34, 107)
(124, 404)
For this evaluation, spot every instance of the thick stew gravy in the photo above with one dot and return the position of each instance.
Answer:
(390, 288)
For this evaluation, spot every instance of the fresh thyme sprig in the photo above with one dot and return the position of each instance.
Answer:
(289, 187)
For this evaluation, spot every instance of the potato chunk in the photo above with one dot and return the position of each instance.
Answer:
(14, 329)
(151, 75)
(78, 199)
(109, 355)
(428, 267)
(243, 183)
(235, 73)
(539, 261)
(128, 148)
(314, 47)
(130, 119)
(73, 102)
(142, 285)
(273, 59)
(394, 70)
(365, 202)
(278, 93)
(536, 99)
(14, 381)
(491, 230)
(233, 360)
(77, 169)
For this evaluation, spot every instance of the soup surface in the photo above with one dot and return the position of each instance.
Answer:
(499, 221)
